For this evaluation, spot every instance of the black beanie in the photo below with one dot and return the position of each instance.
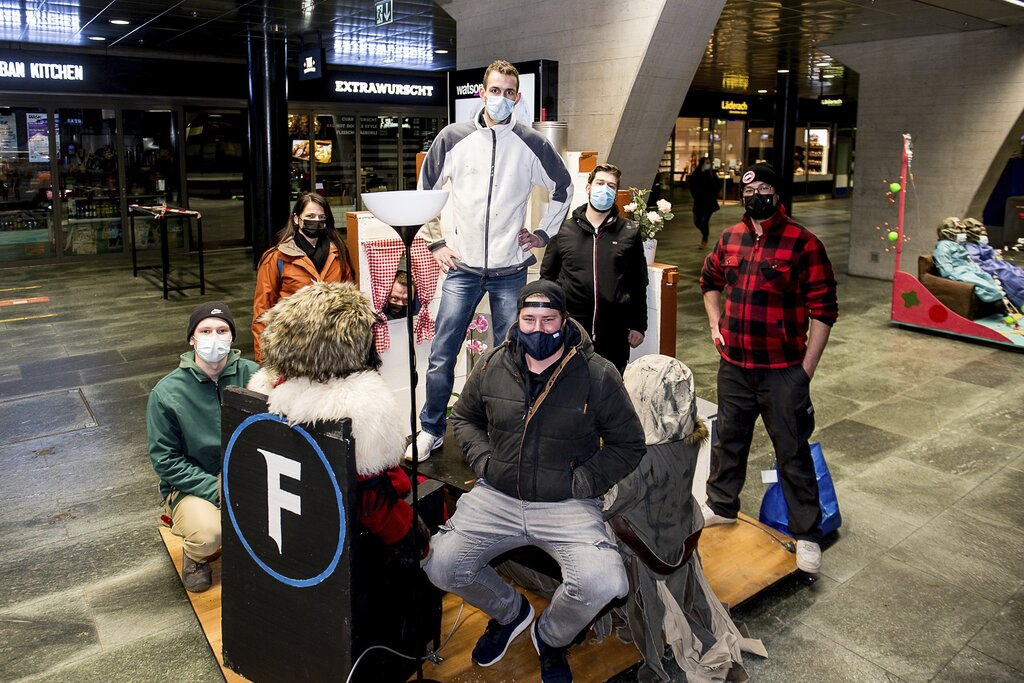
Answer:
(552, 290)
(761, 172)
(211, 309)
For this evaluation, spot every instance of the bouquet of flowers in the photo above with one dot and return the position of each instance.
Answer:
(474, 345)
(647, 220)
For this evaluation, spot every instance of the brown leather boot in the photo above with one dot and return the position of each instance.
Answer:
(197, 576)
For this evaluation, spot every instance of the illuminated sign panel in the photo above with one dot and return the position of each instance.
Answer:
(42, 71)
(734, 107)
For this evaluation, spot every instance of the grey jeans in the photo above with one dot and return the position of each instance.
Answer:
(488, 523)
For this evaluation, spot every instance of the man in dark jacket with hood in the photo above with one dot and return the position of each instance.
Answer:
(598, 259)
(548, 427)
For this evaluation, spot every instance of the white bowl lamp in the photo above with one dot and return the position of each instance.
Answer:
(405, 209)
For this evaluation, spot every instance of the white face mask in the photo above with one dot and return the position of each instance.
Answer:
(983, 239)
(213, 348)
(499, 108)
(961, 237)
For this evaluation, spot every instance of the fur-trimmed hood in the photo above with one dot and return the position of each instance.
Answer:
(323, 331)
(363, 397)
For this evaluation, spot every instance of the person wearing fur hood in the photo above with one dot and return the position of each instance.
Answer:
(319, 366)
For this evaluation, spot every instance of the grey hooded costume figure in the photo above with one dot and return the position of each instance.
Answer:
(658, 521)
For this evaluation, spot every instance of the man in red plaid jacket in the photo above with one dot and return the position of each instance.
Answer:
(780, 305)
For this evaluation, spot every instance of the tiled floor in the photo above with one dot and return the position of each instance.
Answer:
(924, 435)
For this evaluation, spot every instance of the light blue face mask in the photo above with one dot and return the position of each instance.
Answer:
(601, 197)
(499, 108)
(983, 239)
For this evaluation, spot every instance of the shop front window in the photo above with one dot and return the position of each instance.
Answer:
(334, 153)
(87, 165)
(418, 134)
(301, 168)
(692, 144)
(214, 172)
(26, 187)
(378, 143)
(759, 145)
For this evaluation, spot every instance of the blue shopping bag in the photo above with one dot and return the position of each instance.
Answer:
(775, 512)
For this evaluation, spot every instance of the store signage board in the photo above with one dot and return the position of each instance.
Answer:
(41, 71)
(734, 107)
(385, 12)
(831, 101)
(311, 64)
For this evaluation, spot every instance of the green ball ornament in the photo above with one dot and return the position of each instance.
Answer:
(1009, 320)
(894, 187)
(893, 236)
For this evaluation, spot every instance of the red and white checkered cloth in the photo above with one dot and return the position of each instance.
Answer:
(384, 257)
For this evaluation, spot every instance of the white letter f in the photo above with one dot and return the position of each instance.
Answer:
(279, 500)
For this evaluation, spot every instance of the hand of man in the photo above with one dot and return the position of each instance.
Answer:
(809, 369)
(717, 338)
(445, 257)
(635, 338)
(527, 240)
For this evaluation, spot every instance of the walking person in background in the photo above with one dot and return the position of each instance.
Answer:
(704, 188)
(309, 249)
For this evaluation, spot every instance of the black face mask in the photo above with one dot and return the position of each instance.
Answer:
(541, 345)
(396, 310)
(759, 206)
(313, 228)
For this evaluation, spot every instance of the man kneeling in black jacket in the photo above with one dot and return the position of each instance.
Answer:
(548, 427)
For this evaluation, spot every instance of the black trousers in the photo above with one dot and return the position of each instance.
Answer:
(782, 399)
(703, 222)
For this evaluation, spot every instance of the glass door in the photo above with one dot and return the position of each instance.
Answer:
(418, 132)
(26, 186)
(334, 156)
(214, 172)
(378, 154)
(87, 167)
(152, 174)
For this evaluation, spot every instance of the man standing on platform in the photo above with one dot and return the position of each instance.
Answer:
(490, 165)
(547, 426)
(183, 426)
(780, 306)
(598, 259)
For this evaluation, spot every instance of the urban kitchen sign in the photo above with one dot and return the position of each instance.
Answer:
(46, 71)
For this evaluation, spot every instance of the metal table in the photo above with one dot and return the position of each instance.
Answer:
(160, 214)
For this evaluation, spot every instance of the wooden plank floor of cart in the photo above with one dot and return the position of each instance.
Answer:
(740, 560)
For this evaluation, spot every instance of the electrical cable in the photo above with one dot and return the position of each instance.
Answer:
(433, 655)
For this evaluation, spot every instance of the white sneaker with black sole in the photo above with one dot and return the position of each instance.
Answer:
(426, 443)
(713, 519)
(808, 557)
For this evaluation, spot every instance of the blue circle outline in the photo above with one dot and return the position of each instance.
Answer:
(295, 583)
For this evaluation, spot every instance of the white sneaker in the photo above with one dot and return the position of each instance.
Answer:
(425, 444)
(712, 519)
(808, 557)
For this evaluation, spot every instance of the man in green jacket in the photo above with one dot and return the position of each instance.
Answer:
(183, 425)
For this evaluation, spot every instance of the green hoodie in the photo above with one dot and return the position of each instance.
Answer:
(183, 425)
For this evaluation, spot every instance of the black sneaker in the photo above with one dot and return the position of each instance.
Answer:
(496, 638)
(554, 665)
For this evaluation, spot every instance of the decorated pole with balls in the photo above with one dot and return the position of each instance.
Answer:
(906, 157)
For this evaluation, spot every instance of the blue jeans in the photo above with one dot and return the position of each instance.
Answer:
(488, 523)
(461, 293)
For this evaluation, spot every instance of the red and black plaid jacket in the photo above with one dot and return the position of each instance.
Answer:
(775, 283)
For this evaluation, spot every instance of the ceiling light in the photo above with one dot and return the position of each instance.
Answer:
(828, 75)
(761, 92)
(783, 71)
(820, 64)
(439, 51)
(1019, 3)
(120, 22)
(97, 38)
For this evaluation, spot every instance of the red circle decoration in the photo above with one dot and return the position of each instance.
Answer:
(938, 314)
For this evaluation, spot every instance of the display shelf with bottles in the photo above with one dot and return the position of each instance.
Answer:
(92, 223)
(25, 234)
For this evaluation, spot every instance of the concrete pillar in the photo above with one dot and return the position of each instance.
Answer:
(624, 68)
(268, 191)
(961, 97)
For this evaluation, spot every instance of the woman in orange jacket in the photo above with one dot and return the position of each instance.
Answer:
(309, 249)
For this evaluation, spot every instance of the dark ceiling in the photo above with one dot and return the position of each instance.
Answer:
(752, 41)
(756, 38)
(421, 35)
